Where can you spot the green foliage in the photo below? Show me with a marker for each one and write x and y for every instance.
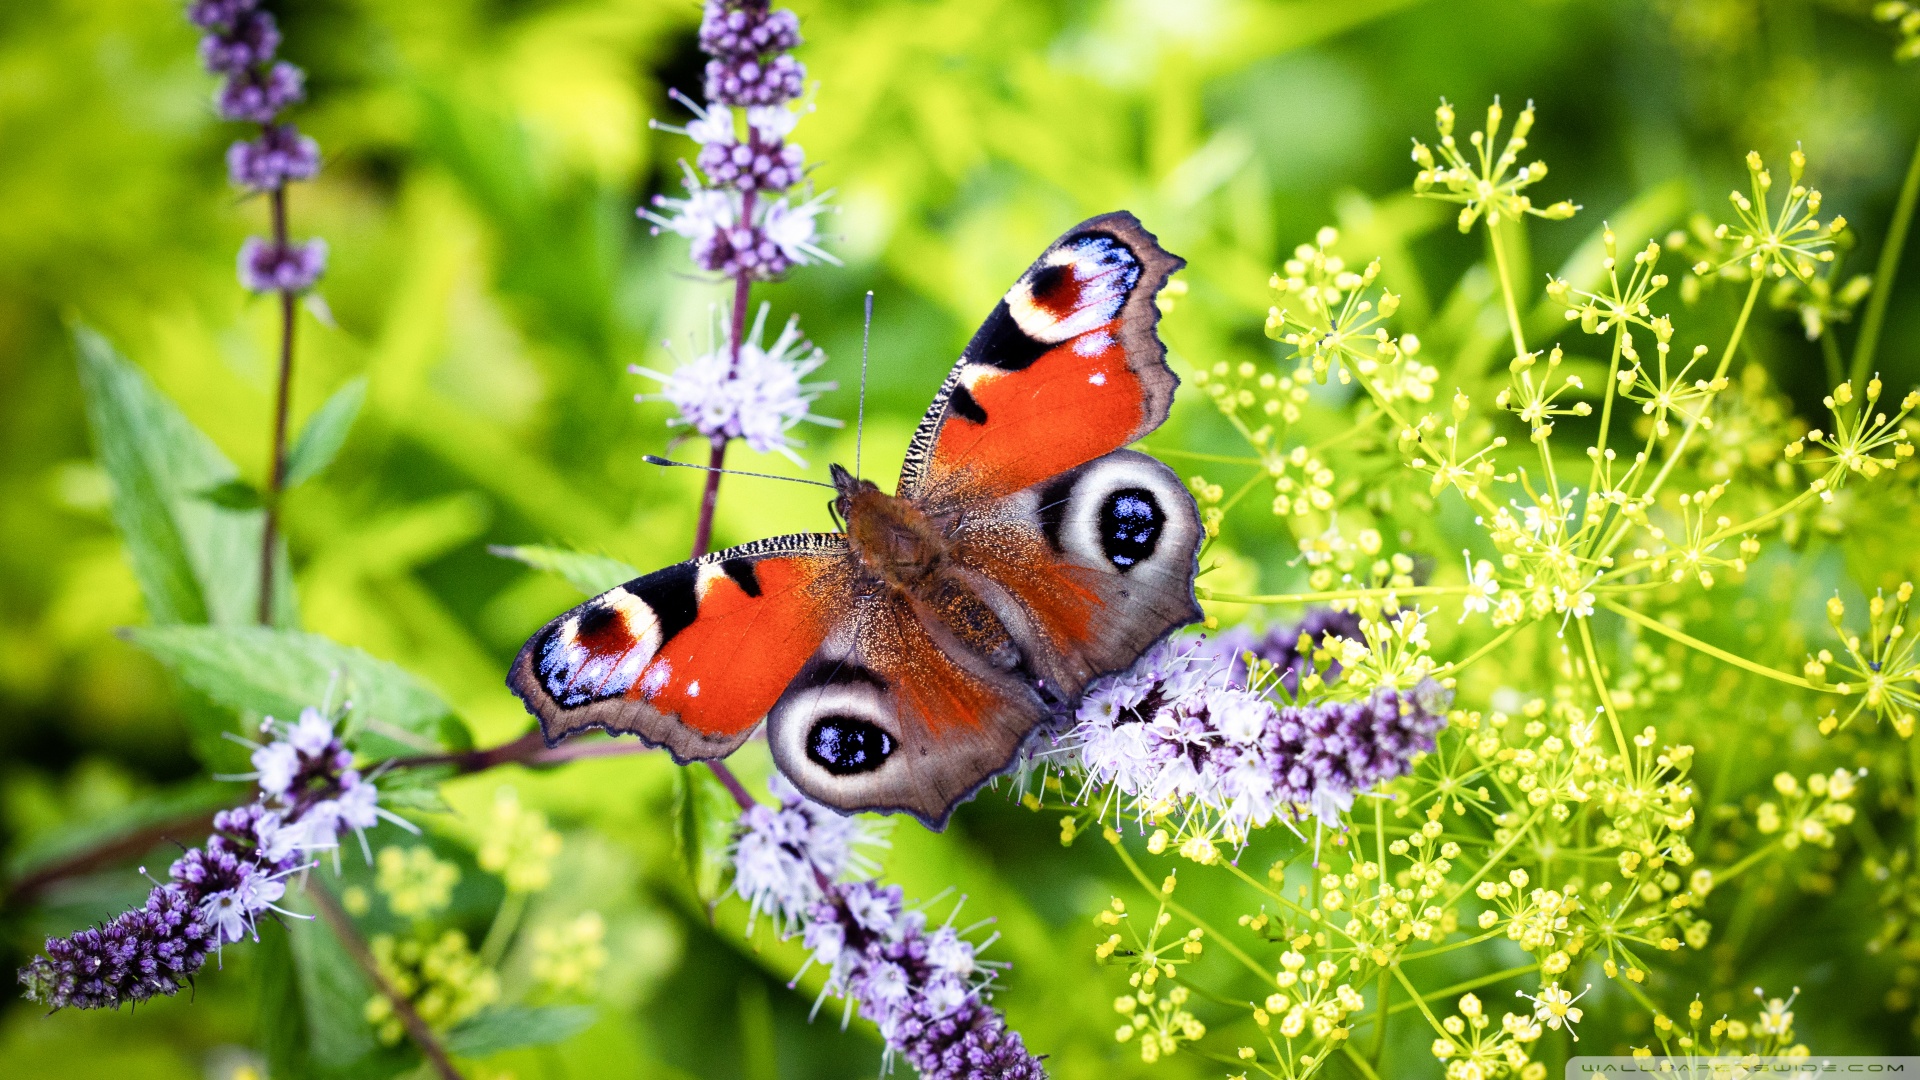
(325, 433)
(516, 1026)
(259, 671)
(489, 285)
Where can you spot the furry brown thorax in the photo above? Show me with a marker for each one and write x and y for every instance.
(899, 547)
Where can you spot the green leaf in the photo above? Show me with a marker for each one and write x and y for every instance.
(234, 494)
(281, 1021)
(703, 818)
(333, 995)
(591, 574)
(325, 433)
(516, 1025)
(188, 553)
(271, 672)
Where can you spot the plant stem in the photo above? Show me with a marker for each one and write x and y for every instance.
(717, 456)
(1883, 273)
(505, 922)
(1691, 642)
(1600, 687)
(1506, 290)
(732, 783)
(342, 926)
(269, 532)
(125, 846)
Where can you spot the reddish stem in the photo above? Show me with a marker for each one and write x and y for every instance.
(269, 533)
(717, 456)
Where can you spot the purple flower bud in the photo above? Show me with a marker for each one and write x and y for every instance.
(267, 267)
(258, 97)
(738, 81)
(279, 155)
(213, 14)
(746, 28)
(147, 952)
(248, 43)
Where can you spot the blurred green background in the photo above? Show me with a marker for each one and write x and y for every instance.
(482, 162)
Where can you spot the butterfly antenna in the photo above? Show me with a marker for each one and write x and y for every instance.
(860, 420)
(654, 460)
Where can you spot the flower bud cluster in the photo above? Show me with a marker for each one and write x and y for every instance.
(216, 893)
(924, 987)
(739, 222)
(241, 43)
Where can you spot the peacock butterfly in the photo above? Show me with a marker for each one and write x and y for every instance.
(901, 663)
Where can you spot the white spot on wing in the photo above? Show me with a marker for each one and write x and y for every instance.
(656, 678)
(1098, 378)
(693, 688)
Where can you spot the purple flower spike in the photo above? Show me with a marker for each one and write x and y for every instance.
(267, 267)
(279, 155)
(750, 82)
(148, 952)
(249, 43)
(259, 98)
(216, 14)
(744, 28)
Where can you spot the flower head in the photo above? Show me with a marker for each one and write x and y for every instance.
(269, 267)
(518, 845)
(759, 398)
(784, 855)
(1483, 184)
(280, 154)
(1180, 729)
(1554, 1007)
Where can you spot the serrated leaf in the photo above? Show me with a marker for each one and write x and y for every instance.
(591, 574)
(517, 1025)
(270, 672)
(325, 433)
(186, 552)
(234, 494)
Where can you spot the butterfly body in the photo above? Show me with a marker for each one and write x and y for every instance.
(902, 662)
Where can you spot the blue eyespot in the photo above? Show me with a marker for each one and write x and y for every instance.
(844, 745)
(1130, 524)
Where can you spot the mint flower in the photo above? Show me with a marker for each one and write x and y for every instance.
(760, 398)
(738, 221)
(1178, 729)
(309, 794)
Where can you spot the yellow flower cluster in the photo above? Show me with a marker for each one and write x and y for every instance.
(442, 979)
(518, 845)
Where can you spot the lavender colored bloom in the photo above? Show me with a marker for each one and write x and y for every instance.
(759, 164)
(216, 14)
(783, 854)
(150, 951)
(279, 155)
(1279, 645)
(258, 96)
(760, 398)
(970, 1043)
(752, 82)
(1181, 727)
(217, 892)
(746, 28)
(268, 267)
(248, 42)
(924, 989)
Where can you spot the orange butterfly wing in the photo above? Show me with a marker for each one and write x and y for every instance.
(690, 657)
(1067, 368)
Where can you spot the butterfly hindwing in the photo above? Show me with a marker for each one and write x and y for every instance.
(893, 714)
(1090, 568)
(690, 657)
(1067, 367)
